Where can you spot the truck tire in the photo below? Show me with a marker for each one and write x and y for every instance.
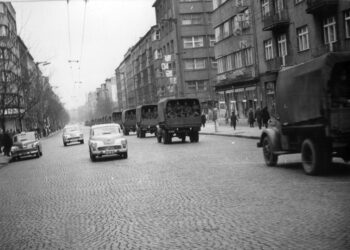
(315, 156)
(137, 133)
(195, 136)
(269, 157)
(142, 134)
(183, 137)
(159, 138)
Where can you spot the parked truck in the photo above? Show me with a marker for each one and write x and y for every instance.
(129, 121)
(178, 117)
(146, 119)
(312, 113)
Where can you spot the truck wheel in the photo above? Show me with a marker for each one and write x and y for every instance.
(142, 134)
(166, 137)
(269, 157)
(195, 136)
(159, 138)
(137, 133)
(183, 137)
(315, 156)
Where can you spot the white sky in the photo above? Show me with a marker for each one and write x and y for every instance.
(111, 27)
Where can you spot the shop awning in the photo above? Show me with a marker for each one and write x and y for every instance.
(229, 84)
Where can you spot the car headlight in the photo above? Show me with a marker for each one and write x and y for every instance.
(94, 145)
(124, 143)
(14, 148)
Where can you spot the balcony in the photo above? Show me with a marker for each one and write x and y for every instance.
(321, 7)
(276, 21)
(276, 63)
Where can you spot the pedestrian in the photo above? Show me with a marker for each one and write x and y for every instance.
(251, 118)
(234, 120)
(203, 119)
(7, 143)
(258, 117)
(265, 116)
(215, 118)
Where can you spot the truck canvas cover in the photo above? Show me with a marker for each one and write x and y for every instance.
(147, 115)
(179, 111)
(129, 117)
(301, 90)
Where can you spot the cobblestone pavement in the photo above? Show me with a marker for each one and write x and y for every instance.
(215, 194)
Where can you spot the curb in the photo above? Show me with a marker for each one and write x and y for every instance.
(240, 136)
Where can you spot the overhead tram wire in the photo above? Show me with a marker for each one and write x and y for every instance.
(69, 41)
(82, 40)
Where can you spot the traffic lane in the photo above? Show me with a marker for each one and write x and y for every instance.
(175, 195)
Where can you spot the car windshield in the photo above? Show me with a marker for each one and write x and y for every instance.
(25, 137)
(108, 130)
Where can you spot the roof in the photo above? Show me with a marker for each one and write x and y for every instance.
(104, 125)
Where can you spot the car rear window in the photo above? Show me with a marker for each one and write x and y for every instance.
(106, 130)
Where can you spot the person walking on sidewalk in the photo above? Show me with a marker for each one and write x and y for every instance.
(7, 143)
(251, 118)
(215, 118)
(265, 116)
(258, 117)
(234, 120)
(203, 119)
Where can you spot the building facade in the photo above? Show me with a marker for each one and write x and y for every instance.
(235, 53)
(291, 32)
(186, 50)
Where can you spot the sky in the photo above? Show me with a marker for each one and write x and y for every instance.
(54, 31)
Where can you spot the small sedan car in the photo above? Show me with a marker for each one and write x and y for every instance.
(72, 133)
(26, 144)
(107, 140)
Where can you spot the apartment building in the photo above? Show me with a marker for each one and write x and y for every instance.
(235, 53)
(186, 50)
(291, 32)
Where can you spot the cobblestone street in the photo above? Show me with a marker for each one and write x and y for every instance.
(215, 194)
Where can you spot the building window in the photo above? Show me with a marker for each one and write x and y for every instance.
(248, 54)
(268, 49)
(265, 8)
(193, 42)
(279, 6)
(347, 23)
(303, 38)
(236, 25)
(192, 19)
(3, 30)
(226, 29)
(2, 9)
(157, 54)
(229, 63)
(216, 4)
(212, 41)
(196, 63)
(156, 35)
(197, 85)
(214, 63)
(329, 30)
(218, 34)
(221, 65)
(282, 45)
(238, 60)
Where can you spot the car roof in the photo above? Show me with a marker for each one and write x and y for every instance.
(105, 125)
(25, 133)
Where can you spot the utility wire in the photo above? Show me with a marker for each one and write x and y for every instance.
(69, 41)
(82, 39)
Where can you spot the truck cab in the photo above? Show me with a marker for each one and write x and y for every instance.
(312, 113)
(146, 119)
(178, 117)
(117, 117)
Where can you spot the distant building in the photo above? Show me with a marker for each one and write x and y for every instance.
(235, 50)
(185, 50)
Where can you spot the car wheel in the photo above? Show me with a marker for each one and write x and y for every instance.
(92, 157)
(269, 157)
(38, 154)
(41, 153)
(315, 156)
(82, 142)
(125, 155)
(64, 143)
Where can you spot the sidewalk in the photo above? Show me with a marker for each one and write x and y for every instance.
(242, 130)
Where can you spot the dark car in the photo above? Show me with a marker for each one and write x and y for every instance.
(26, 144)
(146, 119)
(178, 117)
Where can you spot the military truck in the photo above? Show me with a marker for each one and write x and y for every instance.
(312, 113)
(178, 117)
(117, 118)
(129, 121)
(146, 119)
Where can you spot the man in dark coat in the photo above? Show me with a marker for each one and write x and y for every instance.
(234, 120)
(7, 143)
(251, 118)
(265, 116)
(258, 117)
(203, 119)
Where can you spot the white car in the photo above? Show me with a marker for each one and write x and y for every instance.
(107, 140)
(72, 133)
